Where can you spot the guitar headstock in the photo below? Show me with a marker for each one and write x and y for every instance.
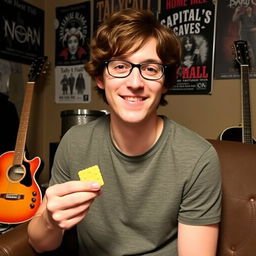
(38, 67)
(241, 52)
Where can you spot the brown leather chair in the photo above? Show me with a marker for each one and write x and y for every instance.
(238, 225)
(15, 243)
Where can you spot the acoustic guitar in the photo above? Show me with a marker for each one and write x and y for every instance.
(243, 132)
(20, 195)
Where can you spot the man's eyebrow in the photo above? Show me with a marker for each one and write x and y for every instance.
(150, 60)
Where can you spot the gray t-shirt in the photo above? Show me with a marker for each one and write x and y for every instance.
(145, 196)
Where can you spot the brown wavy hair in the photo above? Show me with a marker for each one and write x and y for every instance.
(118, 35)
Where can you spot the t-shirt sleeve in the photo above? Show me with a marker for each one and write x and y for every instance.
(201, 202)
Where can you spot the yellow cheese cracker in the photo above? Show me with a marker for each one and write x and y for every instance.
(91, 174)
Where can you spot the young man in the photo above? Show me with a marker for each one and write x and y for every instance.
(162, 182)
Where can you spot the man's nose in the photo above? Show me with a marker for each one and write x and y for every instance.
(135, 78)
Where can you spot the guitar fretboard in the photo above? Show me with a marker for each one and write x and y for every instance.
(23, 126)
(246, 111)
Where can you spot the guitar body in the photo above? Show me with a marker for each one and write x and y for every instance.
(234, 133)
(20, 195)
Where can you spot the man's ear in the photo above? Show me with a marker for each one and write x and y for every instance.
(99, 82)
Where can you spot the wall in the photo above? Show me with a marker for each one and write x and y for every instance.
(208, 115)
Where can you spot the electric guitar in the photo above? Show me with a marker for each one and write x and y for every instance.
(20, 195)
(242, 133)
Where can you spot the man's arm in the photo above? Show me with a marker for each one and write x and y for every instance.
(64, 206)
(43, 235)
(197, 240)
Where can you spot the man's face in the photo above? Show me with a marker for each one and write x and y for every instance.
(134, 99)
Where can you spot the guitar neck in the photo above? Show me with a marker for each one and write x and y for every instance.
(246, 111)
(23, 126)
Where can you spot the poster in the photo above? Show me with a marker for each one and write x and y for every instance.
(104, 8)
(72, 34)
(194, 22)
(20, 39)
(235, 20)
(72, 83)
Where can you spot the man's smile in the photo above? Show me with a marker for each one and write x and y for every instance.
(133, 98)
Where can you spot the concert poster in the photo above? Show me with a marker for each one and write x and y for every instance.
(73, 34)
(21, 40)
(102, 9)
(72, 84)
(194, 23)
(236, 20)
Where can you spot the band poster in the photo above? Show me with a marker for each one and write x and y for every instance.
(73, 32)
(21, 40)
(194, 22)
(236, 20)
(104, 8)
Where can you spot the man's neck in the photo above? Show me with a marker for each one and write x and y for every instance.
(136, 139)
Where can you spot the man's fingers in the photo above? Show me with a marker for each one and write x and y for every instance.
(70, 200)
(72, 187)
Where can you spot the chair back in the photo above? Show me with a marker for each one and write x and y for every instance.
(238, 225)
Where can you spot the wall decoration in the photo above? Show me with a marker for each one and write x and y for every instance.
(235, 20)
(72, 34)
(73, 26)
(104, 8)
(72, 84)
(194, 22)
(22, 34)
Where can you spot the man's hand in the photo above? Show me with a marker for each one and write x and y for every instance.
(68, 203)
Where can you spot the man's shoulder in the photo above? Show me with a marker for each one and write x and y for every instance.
(184, 137)
(99, 125)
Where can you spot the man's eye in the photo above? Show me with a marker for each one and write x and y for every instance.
(120, 66)
(151, 69)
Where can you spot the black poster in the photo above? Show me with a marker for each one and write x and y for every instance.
(235, 20)
(104, 8)
(194, 22)
(73, 34)
(21, 31)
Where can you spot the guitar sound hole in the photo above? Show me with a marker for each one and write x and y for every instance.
(16, 173)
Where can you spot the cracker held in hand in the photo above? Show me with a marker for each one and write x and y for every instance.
(91, 174)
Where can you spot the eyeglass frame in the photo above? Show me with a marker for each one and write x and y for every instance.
(164, 67)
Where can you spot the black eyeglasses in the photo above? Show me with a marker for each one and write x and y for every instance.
(123, 68)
